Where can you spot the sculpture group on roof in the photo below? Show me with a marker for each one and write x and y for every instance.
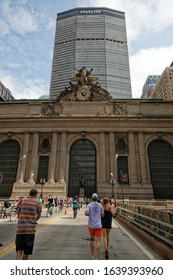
(82, 76)
(82, 81)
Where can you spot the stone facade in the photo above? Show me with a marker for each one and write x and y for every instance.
(103, 122)
(38, 138)
(164, 87)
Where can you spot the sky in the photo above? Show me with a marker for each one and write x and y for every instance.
(27, 30)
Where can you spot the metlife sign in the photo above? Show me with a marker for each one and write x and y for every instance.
(90, 12)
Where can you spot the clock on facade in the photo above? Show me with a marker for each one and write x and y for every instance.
(83, 93)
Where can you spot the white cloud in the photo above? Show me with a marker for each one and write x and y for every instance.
(4, 28)
(23, 87)
(28, 22)
(141, 16)
(146, 62)
(17, 17)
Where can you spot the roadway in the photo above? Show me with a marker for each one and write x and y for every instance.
(61, 237)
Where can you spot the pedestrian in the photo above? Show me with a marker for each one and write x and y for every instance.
(115, 206)
(7, 206)
(55, 203)
(107, 223)
(115, 203)
(29, 213)
(50, 200)
(95, 211)
(49, 206)
(75, 206)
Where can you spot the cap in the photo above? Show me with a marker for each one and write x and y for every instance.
(95, 196)
(33, 192)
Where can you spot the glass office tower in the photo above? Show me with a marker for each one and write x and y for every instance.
(95, 38)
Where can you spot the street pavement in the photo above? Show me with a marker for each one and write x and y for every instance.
(61, 237)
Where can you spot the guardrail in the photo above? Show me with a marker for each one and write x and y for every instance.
(159, 229)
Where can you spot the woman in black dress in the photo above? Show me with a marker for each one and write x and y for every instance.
(107, 223)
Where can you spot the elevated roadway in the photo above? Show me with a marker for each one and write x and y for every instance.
(61, 237)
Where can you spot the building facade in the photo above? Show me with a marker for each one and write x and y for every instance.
(149, 85)
(164, 87)
(5, 93)
(95, 38)
(121, 148)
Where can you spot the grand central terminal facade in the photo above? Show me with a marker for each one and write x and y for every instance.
(120, 148)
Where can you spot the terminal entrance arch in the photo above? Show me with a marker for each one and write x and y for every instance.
(160, 155)
(9, 157)
(82, 163)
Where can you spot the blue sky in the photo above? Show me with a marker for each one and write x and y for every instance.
(27, 29)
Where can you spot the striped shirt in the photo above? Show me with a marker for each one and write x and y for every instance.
(28, 212)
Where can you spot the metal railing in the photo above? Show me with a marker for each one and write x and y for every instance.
(159, 229)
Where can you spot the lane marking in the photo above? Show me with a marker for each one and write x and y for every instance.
(143, 249)
(12, 246)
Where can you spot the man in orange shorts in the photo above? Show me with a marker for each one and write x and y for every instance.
(95, 211)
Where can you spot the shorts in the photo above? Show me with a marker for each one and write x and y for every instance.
(95, 231)
(25, 242)
(107, 223)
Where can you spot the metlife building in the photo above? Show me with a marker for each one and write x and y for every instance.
(92, 38)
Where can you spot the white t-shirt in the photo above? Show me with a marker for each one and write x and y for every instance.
(95, 211)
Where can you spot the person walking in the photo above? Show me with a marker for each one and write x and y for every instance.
(7, 206)
(107, 223)
(29, 213)
(94, 211)
(75, 206)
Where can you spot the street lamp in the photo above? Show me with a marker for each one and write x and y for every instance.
(42, 182)
(112, 182)
(116, 176)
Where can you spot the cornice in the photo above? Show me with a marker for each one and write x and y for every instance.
(111, 125)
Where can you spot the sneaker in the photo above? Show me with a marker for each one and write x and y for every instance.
(106, 255)
(92, 258)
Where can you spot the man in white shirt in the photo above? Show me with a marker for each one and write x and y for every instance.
(95, 211)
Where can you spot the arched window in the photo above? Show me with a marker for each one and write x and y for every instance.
(9, 157)
(161, 168)
(82, 163)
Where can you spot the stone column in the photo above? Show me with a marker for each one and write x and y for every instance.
(132, 157)
(63, 151)
(23, 159)
(52, 159)
(142, 158)
(33, 160)
(102, 161)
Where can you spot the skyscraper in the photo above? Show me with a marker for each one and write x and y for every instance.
(95, 38)
(164, 87)
(149, 85)
(5, 93)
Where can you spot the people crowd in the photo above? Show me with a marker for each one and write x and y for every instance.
(99, 212)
